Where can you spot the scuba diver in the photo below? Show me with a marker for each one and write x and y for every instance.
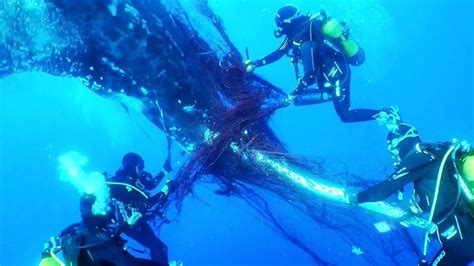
(443, 179)
(326, 49)
(96, 239)
(136, 198)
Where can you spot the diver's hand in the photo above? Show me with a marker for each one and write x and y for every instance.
(289, 99)
(462, 145)
(134, 217)
(250, 66)
(465, 146)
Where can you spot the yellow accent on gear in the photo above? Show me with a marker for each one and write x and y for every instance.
(468, 167)
(332, 28)
(351, 47)
(49, 261)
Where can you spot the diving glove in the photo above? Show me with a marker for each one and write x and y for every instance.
(250, 66)
(134, 217)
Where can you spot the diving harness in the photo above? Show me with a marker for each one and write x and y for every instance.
(56, 244)
(461, 189)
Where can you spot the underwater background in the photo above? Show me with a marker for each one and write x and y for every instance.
(419, 57)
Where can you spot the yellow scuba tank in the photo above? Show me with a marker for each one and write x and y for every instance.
(49, 261)
(466, 178)
(337, 31)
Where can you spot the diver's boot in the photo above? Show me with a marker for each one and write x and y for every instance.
(389, 117)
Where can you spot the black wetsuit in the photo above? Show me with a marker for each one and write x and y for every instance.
(96, 241)
(451, 214)
(306, 43)
(141, 231)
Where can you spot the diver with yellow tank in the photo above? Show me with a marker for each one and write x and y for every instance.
(97, 238)
(442, 190)
(325, 48)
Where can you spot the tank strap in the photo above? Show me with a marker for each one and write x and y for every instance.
(128, 186)
(459, 227)
(436, 194)
(458, 194)
(462, 188)
(312, 48)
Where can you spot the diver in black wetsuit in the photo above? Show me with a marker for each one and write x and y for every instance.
(443, 177)
(96, 239)
(326, 49)
(132, 174)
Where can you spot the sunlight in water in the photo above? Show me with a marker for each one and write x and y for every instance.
(71, 167)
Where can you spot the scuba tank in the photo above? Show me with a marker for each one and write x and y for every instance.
(338, 33)
(464, 167)
(49, 261)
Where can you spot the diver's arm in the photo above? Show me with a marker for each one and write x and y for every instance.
(162, 197)
(151, 182)
(163, 173)
(276, 55)
(395, 182)
(122, 221)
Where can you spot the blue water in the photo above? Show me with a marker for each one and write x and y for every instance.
(419, 56)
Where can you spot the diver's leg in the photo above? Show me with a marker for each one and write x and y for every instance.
(144, 234)
(342, 104)
(309, 59)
